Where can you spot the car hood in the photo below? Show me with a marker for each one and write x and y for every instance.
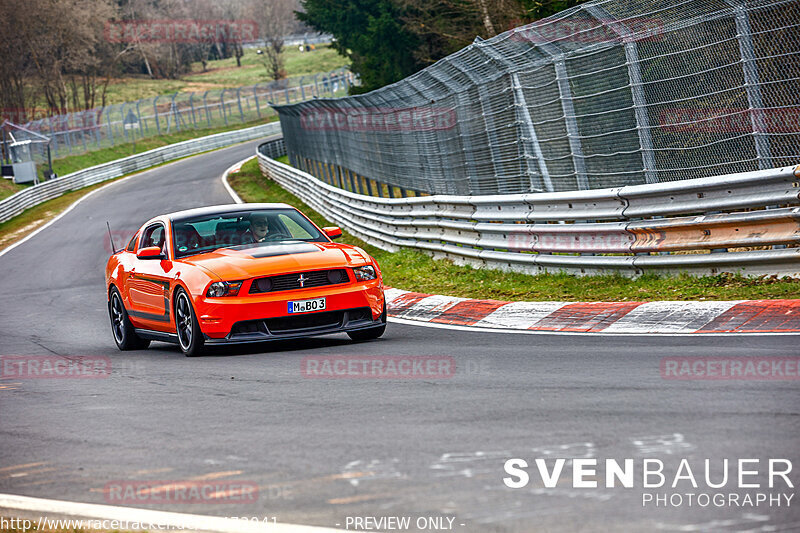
(266, 259)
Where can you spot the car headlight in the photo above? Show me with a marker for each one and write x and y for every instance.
(223, 288)
(365, 273)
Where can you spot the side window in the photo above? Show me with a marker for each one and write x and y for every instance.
(153, 236)
(132, 245)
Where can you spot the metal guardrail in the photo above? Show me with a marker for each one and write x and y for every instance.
(32, 196)
(553, 232)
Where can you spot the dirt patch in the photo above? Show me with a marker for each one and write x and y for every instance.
(200, 87)
(15, 235)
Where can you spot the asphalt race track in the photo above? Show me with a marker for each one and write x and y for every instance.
(321, 450)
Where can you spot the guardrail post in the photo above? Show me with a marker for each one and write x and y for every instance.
(302, 89)
(359, 180)
(637, 91)
(527, 122)
(751, 84)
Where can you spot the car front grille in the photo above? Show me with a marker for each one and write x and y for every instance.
(288, 282)
(311, 323)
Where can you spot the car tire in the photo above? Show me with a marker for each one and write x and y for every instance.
(190, 338)
(121, 328)
(369, 334)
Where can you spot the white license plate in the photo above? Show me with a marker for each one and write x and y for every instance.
(306, 306)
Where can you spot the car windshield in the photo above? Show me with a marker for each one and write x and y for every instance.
(241, 230)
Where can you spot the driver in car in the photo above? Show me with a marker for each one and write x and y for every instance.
(258, 230)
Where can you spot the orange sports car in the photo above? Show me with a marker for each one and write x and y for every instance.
(240, 273)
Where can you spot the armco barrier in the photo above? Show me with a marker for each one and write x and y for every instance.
(565, 231)
(27, 198)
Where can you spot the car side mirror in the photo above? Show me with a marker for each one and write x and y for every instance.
(150, 252)
(334, 232)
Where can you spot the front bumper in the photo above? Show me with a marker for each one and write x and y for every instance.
(312, 324)
(260, 317)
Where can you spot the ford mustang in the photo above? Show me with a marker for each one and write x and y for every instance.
(240, 273)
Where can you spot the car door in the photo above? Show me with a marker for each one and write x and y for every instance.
(149, 283)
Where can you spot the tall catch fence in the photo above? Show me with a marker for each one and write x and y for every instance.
(607, 94)
(82, 131)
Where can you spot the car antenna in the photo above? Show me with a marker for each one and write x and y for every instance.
(111, 238)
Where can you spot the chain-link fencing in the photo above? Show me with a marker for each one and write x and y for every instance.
(78, 132)
(607, 94)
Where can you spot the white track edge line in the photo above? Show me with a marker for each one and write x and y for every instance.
(227, 185)
(192, 522)
(479, 329)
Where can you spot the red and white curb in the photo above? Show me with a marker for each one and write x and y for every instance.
(709, 317)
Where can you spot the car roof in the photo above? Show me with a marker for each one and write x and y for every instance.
(226, 208)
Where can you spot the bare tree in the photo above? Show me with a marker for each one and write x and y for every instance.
(275, 19)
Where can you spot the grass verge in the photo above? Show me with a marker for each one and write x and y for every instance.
(413, 270)
(31, 219)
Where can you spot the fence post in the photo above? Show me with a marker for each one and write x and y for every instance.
(205, 106)
(491, 134)
(141, 120)
(155, 112)
(95, 127)
(110, 130)
(637, 90)
(191, 105)
(222, 106)
(565, 96)
(751, 84)
(174, 114)
(522, 107)
(255, 96)
(239, 101)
